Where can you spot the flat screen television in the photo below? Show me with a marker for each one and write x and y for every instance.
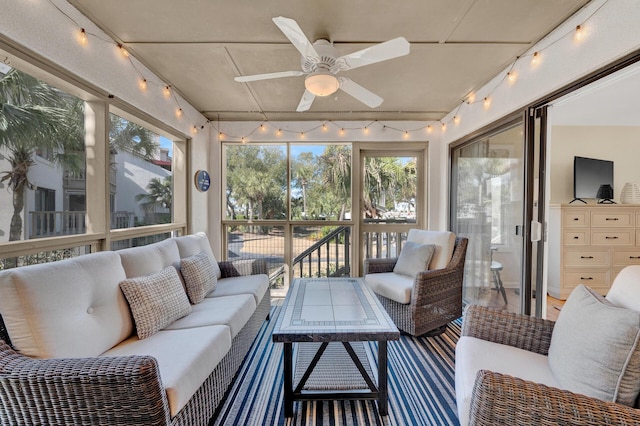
(588, 175)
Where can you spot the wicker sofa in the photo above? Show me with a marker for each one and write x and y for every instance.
(70, 353)
(426, 302)
(510, 368)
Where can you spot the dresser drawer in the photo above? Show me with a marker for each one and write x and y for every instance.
(613, 219)
(576, 238)
(589, 277)
(626, 257)
(613, 237)
(575, 219)
(587, 258)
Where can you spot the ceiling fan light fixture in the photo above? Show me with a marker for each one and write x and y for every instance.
(322, 83)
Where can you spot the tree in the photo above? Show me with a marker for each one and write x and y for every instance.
(159, 194)
(35, 116)
(335, 164)
(304, 170)
(129, 136)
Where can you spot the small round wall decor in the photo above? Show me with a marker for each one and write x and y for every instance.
(202, 180)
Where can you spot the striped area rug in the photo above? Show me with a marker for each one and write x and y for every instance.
(421, 387)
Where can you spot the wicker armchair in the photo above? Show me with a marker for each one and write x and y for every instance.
(500, 399)
(436, 297)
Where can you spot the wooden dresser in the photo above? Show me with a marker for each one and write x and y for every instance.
(590, 244)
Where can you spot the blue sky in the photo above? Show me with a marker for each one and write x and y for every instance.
(167, 143)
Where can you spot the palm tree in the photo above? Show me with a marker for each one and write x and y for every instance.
(35, 116)
(304, 169)
(159, 194)
(128, 136)
(335, 163)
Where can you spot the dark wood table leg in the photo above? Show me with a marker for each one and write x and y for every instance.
(288, 379)
(382, 378)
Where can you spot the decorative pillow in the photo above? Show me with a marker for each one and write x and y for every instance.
(155, 300)
(414, 258)
(199, 276)
(594, 348)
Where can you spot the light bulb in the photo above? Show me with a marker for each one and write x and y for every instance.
(444, 126)
(579, 34)
(365, 130)
(194, 130)
(143, 84)
(166, 91)
(178, 112)
(456, 119)
(220, 135)
(511, 76)
(279, 132)
(262, 128)
(535, 59)
(406, 134)
(486, 102)
(82, 37)
(324, 127)
(429, 128)
(472, 98)
(341, 132)
(301, 135)
(243, 140)
(124, 52)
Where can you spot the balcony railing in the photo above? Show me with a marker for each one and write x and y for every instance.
(57, 223)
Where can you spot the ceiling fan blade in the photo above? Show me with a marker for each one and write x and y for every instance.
(256, 77)
(294, 33)
(377, 53)
(306, 101)
(352, 88)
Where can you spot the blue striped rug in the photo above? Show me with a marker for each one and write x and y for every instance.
(421, 387)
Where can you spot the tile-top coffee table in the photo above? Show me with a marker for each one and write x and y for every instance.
(343, 311)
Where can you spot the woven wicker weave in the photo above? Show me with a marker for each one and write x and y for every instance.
(436, 298)
(115, 390)
(500, 399)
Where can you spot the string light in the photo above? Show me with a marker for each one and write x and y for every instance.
(143, 84)
(342, 132)
(324, 127)
(365, 130)
(406, 134)
(579, 33)
(535, 59)
(444, 126)
(456, 119)
(124, 52)
(486, 102)
(301, 135)
(179, 112)
(279, 132)
(166, 91)
(243, 140)
(220, 135)
(82, 37)
(512, 76)
(194, 130)
(262, 128)
(429, 129)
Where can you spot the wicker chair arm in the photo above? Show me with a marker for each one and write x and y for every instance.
(376, 266)
(109, 390)
(500, 399)
(242, 267)
(520, 331)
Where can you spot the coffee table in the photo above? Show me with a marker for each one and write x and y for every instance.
(340, 314)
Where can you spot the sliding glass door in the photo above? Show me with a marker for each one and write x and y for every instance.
(488, 208)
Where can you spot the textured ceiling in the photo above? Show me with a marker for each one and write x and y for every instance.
(199, 46)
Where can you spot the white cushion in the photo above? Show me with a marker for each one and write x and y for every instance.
(625, 290)
(185, 358)
(594, 348)
(233, 311)
(149, 259)
(393, 286)
(414, 258)
(190, 245)
(443, 240)
(199, 276)
(473, 355)
(256, 285)
(69, 308)
(156, 300)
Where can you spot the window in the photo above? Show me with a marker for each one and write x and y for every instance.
(42, 122)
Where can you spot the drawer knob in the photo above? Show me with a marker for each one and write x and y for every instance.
(576, 237)
(586, 278)
(612, 218)
(611, 238)
(575, 218)
(586, 257)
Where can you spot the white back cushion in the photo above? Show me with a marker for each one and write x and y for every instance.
(443, 240)
(193, 244)
(625, 290)
(70, 308)
(145, 260)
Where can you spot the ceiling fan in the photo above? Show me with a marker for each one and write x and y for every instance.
(320, 64)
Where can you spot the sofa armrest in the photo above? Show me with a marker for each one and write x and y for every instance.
(520, 331)
(375, 266)
(500, 399)
(109, 390)
(242, 267)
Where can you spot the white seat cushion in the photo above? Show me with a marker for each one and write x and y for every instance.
(233, 311)
(185, 358)
(443, 240)
(473, 355)
(256, 285)
(393, 286)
